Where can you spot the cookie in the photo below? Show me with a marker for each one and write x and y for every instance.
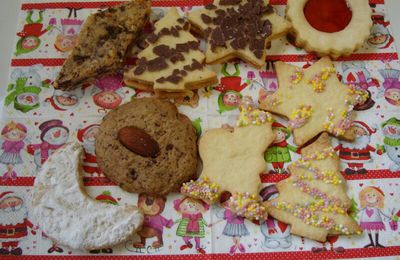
(157, 157)
(232, 162)
(314, 100)
(103, 43)
(335, 28)
(238, 29)
(66, 213)
(313, 199)
(172, 63)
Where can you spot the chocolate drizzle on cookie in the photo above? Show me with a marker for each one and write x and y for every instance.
(239, 27)
(165, 53)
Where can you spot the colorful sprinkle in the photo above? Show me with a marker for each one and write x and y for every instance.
(299, 116)
(251, 115)
(332, 205)
(247, 205)
(319, 79)
(307, 213)
(274, 102)
(297, 76)
(202, 189)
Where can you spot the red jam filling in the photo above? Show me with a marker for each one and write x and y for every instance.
(327, 15)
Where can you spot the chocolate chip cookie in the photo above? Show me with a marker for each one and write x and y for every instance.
(147, 146)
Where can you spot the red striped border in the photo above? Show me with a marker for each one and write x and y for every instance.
(159, 3)
(54, 62)
(265, 178)
(348, 253)
(372, 174)
(96, 5)
(354, 56)
(48, 62)
(20, 181)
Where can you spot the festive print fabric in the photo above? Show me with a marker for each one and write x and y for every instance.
(37, 119)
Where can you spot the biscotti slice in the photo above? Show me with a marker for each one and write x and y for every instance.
(103, 43)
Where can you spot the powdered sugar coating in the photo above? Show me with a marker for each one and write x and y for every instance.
(68, 215)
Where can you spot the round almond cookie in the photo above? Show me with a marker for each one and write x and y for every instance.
(147, 146)
(329, 27)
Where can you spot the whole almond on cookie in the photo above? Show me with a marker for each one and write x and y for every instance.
(138, 141)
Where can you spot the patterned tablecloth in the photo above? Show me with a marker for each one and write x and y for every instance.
(37, 119)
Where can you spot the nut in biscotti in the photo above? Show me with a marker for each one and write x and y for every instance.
(138, 141)
(103, 43)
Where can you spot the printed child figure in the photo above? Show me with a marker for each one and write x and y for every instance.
(31, 33)
(154, 222)
(108, 93)
(230, 87)
(13, 135)
(67, 38)
(279, 152)
(372, 203)
(192, 223)
(234, 227)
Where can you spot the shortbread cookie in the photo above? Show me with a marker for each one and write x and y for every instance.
(335, 27)
(313, 199)
(172, 63)
(314, 100)
(64, 211)
(146, 146)
(103, 43)
(238, 29)
(232, 162)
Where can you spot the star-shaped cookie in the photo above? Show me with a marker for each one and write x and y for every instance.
(238, 29)
(314, 100)
(313, 199)
(172, 63)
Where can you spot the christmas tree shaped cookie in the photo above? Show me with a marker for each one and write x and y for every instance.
(314, 100)
(172, 64)
(238, 29)
(232, 162)
(313, 199)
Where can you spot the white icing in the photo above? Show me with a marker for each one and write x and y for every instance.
(68, 215)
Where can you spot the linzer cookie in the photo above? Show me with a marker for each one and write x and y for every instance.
(238, 29)
(146, 146)
(172, 64)
(103, 43)
(313, 199)
(240, 161)
(330, 27)
(314, 100)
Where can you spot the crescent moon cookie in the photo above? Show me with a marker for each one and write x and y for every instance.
(329, 27)
(238, 29)
(313, 199)
(314, 100)
(172, 63)
(232, 162)
(68, 215)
